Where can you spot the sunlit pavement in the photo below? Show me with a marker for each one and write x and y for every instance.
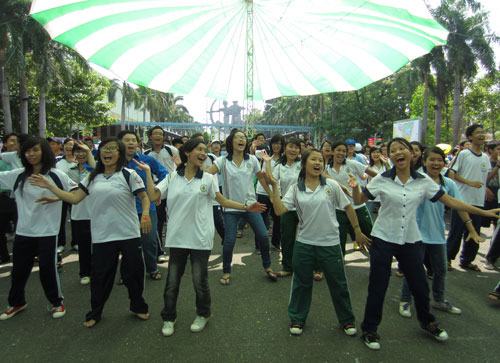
(249, 320)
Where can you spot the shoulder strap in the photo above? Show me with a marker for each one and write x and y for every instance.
(211, 157)
(168, 150)
(126, 175)
(55, 178)
(18, 180)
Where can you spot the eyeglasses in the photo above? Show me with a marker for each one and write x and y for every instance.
(110, 148)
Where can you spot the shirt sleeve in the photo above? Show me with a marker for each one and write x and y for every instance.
(453, 189)
(163, 186)
(433, 191)
(8, 178)
(457, 165)
(135, 182)
(10, 157)
(84, 184)
(339, 198)
(67, 182)
(213, 188)
(289, 198)
(372, 190)
(157, 169)
(219, 162)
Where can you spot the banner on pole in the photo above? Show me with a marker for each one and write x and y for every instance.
(407, 129)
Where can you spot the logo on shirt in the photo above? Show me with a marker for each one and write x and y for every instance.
(203, 188)
(484, 168)
(328, 191)
(249, 166)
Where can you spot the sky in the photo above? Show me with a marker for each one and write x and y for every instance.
(198, 107)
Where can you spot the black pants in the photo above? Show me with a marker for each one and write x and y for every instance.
(276, 237)
(83, 238)
(104, 265)
(494, 251)
(161, 213)
(410, 258)
(8, 215)
(199, 270)
(23, 254)
(219, 220)
(457, 231)
(61, 238)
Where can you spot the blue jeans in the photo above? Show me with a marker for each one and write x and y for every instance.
(437, 256)
(150, 244)
(255, 220)
(199, 273)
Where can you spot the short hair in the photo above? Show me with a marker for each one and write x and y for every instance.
(470, 130)
(122, 134)
(6, 137)
(150, 131)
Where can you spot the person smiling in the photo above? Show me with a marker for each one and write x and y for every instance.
(190, 193)
(37, 226)
(111, 189)
(396, 233)
(315, 198)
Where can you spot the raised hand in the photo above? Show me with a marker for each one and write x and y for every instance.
(142, 166)
(40, 181)
(82, 146)
(256, 207)
(265, 156)
(353, 182)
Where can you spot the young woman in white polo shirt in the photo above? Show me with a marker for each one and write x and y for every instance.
(316, 198)
(286, 173)
(396, 233)
(339, 169)
(115, 227)
(37, 226)
(238, 169)
(190, 193)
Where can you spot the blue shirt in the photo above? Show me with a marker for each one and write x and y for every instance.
(156, 169)
(430, 216)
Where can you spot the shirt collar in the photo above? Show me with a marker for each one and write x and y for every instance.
(182, 171)
(245, 156)
(301, 183)
(391, 173)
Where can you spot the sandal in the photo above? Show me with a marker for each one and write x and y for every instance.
(155, 275)
(271, 275)
(225, 279)
(471, 267)
(283, 273)
(318, 276)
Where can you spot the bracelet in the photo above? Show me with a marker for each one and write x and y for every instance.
(468, 221)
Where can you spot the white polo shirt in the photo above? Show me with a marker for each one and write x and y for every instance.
(286, 175)
(397, 216)
(12, 157)
(113, 216)
(260, 189)
(237, 182)
(473, 167)
(316, 211)
(36, 219)
(64, 165)
(190, 222)
(80, 211)
(351, 166)
(164, 157)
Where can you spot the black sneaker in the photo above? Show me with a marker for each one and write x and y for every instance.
(438, 333)
(371, 340)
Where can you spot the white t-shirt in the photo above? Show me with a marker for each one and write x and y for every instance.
(36, 219)
(351, 166)
(80, 211)
(64, 165)
(190, 222)
(260, 189)
(164, 157)
(397, 216)
(12, 157)
(286, 175)
(113, 215)
(474, 167)
(237, 181)
(316, 211)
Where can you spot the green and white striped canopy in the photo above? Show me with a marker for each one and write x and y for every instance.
(200, 47)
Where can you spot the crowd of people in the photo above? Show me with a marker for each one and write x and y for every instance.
(391, 199)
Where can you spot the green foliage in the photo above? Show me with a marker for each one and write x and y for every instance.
(482, 102)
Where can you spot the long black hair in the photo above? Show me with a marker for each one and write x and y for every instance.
(229, 143)
(293, 141)
(122, 158)
(303, 162)
(372, 150)
(278, 139)
(48, 160)
(334, 146)
(189, 146)
(418, 163)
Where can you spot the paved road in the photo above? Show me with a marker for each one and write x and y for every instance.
(249, 321)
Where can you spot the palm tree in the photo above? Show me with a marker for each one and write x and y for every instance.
(423, 64)
(128, 95)
(468, 44)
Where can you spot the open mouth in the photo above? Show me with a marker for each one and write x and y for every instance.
(202, 158)
(107, 158)
(317, 168)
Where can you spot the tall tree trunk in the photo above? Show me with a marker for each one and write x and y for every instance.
(23, 103)
(122, 115)
(456, 118)
(7, 116)
(42, 114)
(332, 96)
(425, 111)
(439, 121)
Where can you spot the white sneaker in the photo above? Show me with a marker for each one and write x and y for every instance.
(199, 324)
(404, 309)
(447, 306)
(58, 311)
(60, 249)
(85, 280)
(488, 266)
(168, 328)
(296, 329)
